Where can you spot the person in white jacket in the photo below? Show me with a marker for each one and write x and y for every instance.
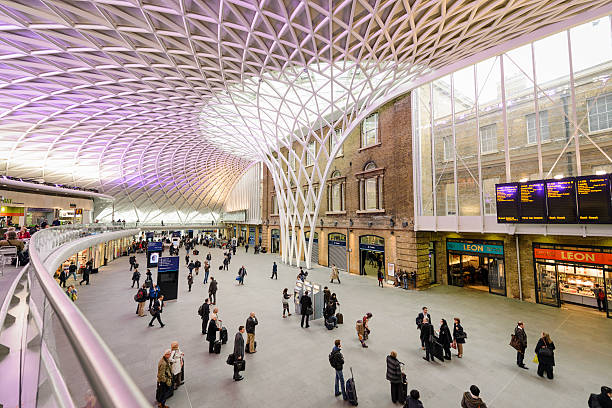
(177, 362)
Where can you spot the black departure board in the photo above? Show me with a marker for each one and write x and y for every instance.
(593, 195)
(532, 203)
(507, 198)
(561, 201)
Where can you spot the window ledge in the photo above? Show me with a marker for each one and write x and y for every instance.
(489, 152)
(274, 215)
(542, 142)
(370, 211)
(598, 132)
(335, 213)
(369, 147)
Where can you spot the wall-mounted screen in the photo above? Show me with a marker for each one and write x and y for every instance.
(593, 195)
(532, 203)
(507, 197)
(561, 201)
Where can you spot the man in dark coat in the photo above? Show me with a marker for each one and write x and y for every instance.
(336, 360)
(238, 352)
(419, 321)
(603, 400)
(427, 333)
(274, 270)
(212, 291)
(211, 334)
(250, 329)
(471, 399)
(132, 261)
(305, 306)
(205, 313)
(519, 333)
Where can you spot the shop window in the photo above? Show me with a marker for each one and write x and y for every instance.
(310, 153)
(371, 188)
(531, 127)
(600, 112)
(334, 140)
(488, 139)
(369, 131)
(336, 193)
(451, 203)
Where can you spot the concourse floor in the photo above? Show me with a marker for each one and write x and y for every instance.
(291, 367)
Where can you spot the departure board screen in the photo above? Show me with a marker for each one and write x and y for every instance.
(507, 199)
(532, 203)
(561, 201)
(593, 195)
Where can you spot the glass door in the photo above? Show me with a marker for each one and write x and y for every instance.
(547, 286)
(497, 276)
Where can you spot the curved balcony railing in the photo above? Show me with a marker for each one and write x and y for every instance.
(60, 359)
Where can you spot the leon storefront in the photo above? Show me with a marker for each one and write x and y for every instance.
(573, 274)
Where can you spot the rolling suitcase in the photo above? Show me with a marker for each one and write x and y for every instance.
(403, 389)
(438, 351)
(217, 347)
(340, 318)
(223, 335)
(246, 347)
(351, 392)
(329, 325)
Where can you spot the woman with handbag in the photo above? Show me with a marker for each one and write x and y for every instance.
(459, 337)
(546, 356)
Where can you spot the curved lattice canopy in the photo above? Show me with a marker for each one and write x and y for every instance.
(164, 103)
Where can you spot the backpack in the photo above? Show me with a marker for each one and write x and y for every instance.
(140, 295)
(332, 359)
(594, 401)
(201, 310)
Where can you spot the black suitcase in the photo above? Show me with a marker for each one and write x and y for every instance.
(340, 318)
(221, 267)
(329, 325)
(351, 391)
(246, 347)
(438, 351)
(217, 347)
(403, 389)
(223, 335)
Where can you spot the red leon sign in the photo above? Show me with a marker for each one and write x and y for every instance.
(574, 256)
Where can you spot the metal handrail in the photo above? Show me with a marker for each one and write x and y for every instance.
(110, 382)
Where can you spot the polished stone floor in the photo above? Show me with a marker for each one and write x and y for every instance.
(291, 368)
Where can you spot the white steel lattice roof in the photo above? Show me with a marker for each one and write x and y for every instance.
(164, 103)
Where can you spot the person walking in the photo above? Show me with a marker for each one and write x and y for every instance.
(72, 271)
(602, 400)
(334, 274)
(459, 336)
(206, 271)
(394, 376)
(521, 338)
(274, 270)
(153, 294)
(381, 278)
(250, 329)
(190, 280)
(212, 291)
(191, 266)
(241, 274)
(187, 258)
(156, 310)
(164, 380)
(225, 263)
(177, 361)
(238, 353)
(336, 360)
(361, 333)
(149, 279)
(419, 321)
(545, 350)
(286, 297)
(141, 298)
(86, 272)
(197, 265)
(211, 333)
(445, 338)
(413, 400)
(62, 278)
(204, 312)
(132, 261)
(136, 278)
(427, 334)
(471, 398)
(305, 308)
(366, 325)
(208, 257)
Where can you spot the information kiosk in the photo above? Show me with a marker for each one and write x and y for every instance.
(315, 291)
(168, 277)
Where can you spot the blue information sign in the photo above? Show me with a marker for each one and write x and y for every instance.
(475, 247)
(337, 243)
(176, 234)
(370, 247)
(154, 246)
(168, 264)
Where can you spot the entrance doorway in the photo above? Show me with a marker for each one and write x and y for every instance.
(371, 255)
(314, 254)
(275, 241)
(336, 250)
(432, 262)
(477, 264)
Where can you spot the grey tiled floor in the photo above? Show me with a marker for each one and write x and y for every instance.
(291, 367)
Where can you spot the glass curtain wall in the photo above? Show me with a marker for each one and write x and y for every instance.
(542, 110)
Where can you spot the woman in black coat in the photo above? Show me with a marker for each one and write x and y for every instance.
(546, 356)
(445, 339)
(394, 376)
(211, 334)
(458, 336)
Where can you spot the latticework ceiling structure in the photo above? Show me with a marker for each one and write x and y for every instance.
(164, 103)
